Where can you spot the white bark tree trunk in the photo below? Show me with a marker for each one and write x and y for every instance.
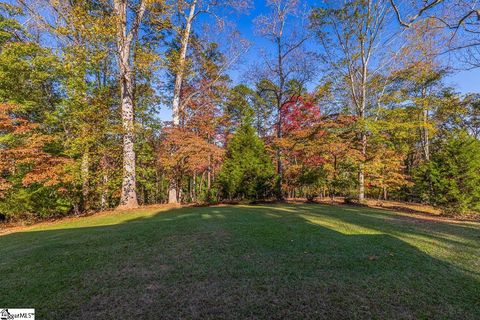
(177, 109)
(280, 94)
(129, 195)
(361, 171)
(104, 197)
(85, 166)
(426, 138)
(425, 134)
(176, 105)
(363, 147)
(125, 39)
(365, 58)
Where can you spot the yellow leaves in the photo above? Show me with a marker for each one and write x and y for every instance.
(82, 23)
(146, 61)
(283, 143)
(150, 3)
(386, 169)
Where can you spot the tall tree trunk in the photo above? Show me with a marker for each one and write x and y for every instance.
(363, 133)
(177, 110)
(279, 193)
(202, 182)
(361, 169)
(194, 194)
(128, 198)
(104, 197)
(425, 134)
(209, 174)
(85, 179)
(176, 105)
(172, 192)
(426, 138)
(103, 169)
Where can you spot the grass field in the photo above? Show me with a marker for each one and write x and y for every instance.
(292, 261)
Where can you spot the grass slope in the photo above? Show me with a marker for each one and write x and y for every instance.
(271, 261)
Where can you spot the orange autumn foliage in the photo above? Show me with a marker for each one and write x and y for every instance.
(185, 152)
(22, 146)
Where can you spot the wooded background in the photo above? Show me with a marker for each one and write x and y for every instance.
(342, 98)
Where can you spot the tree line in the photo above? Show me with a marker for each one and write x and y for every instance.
(342, 99)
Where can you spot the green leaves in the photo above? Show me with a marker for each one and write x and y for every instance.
(247, 172)
(451, 180)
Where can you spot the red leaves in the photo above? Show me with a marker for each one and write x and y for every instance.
(301, 117)
(300, 113)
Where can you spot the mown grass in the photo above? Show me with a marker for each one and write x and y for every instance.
(269, 261)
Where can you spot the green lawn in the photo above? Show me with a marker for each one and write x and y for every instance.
(269, 261)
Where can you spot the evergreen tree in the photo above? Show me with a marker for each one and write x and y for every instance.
(451, 180)
(247, 172)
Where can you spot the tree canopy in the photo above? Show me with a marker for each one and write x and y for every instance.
(120, 103)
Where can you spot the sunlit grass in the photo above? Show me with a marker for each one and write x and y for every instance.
(269, 261)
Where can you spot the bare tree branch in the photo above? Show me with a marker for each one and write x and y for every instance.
(421, 11)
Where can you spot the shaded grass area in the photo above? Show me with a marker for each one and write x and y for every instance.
(271, 261)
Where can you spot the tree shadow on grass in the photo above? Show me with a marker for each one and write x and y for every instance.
(434, 234)
(236, 262)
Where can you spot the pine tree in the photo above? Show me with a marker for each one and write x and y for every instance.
(451, 180)
(247, 172)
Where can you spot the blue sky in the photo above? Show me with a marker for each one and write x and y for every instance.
(465, 81)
